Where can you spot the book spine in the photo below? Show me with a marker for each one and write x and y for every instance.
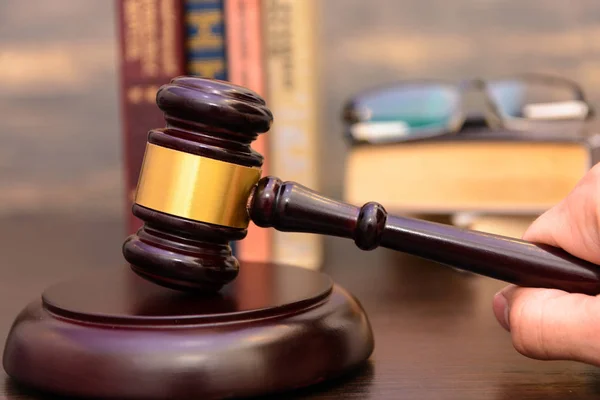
(151, 54)
(245, 67)
(206, 53)
(290, 31)
(205, 44)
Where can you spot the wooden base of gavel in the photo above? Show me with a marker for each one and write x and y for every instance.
(186, 320)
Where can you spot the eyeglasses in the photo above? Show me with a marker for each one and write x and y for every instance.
(429, 108)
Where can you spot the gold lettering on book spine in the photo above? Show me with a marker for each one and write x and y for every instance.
(150, 38)
(131, 22)
(168, 36)
(140, 19)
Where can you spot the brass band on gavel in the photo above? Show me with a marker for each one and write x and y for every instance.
(195, 187)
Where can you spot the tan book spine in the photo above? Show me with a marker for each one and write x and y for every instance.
(290, 32)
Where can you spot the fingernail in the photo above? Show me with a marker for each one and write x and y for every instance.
(502, 310)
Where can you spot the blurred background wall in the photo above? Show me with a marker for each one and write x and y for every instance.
(60, 125)
(59, 107)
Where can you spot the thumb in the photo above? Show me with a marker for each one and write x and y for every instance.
(549, 324)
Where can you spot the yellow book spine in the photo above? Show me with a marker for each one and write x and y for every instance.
(290, 32)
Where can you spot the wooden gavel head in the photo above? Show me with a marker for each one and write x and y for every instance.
(194, 184)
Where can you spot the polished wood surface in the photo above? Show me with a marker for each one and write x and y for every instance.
(435, 333)
(291, 207)
(114, 335)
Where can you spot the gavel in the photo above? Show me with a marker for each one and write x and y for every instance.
(200, 185)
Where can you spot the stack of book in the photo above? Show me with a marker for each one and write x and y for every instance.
(496, 181)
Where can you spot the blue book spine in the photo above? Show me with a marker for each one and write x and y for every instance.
(205, 38)
(205, 43)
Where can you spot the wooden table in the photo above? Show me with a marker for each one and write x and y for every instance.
(435, 334)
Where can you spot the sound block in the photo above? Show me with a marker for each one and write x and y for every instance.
(112, 334)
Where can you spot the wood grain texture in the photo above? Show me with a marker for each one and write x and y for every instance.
(435, 333)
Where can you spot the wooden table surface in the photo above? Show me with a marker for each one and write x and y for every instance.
(435, 334)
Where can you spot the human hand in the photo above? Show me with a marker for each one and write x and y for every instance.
(549, 324)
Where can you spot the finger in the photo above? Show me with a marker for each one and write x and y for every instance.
(549, 324)
(574, 223)
(543, 229)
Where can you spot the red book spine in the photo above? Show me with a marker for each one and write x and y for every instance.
(152, 52)
(246, 68)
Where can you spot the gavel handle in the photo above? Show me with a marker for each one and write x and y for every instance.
(291, 207)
